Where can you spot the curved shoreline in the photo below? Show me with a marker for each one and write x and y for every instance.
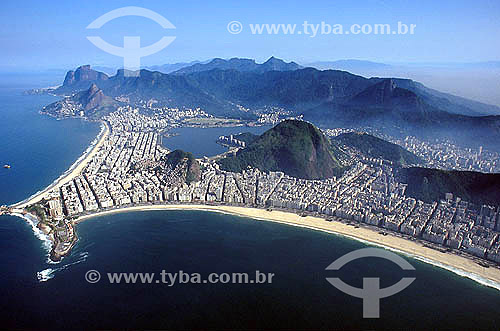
(459, 265)
(75, 169)
(462, 265)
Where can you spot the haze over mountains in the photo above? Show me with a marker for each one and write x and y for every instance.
(331, 98)
(171, 67)
(301, 150)
(328, 98)
(479, 81)
(243, 65)
(374, 147)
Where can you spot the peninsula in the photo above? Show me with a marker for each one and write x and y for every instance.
(359, 177)
(129, 170)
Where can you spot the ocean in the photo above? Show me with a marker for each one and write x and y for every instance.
(38, 148)
(38, 294)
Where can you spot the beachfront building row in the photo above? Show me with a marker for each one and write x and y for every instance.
(129, 169)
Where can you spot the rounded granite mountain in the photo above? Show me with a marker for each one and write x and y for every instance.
(297, 148)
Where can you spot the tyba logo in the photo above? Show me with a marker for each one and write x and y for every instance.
(371, 293)
(131, 50)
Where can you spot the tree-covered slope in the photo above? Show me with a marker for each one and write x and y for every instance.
(247, 137)
(296, 148)
(193, 172)
(371, 146)
(431, 185)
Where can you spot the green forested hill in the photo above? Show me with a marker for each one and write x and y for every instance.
(372, 146)
(297, 148)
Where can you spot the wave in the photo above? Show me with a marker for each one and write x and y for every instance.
(44, 238)
(45, 275)
(472, 276)
(462, 273)
(33, 222)
(50, 273)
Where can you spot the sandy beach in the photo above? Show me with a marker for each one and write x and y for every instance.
(458, 264)
(77, 169)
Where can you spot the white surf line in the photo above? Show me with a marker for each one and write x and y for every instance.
(473, 276)
(68, 172)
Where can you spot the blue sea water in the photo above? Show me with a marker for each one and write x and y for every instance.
(37, 294)
(203, 141)
(206, 242)
(38, 148)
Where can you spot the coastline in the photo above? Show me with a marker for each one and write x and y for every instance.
(460, 265)
(43, 235)
(72, 172)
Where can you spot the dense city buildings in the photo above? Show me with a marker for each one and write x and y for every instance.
(129, 168)
(439, 153)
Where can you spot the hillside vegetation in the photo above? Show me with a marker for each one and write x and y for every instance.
(431, 184)
(296, 148)
(371, 146)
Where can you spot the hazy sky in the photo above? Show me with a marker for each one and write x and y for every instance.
(42, 34)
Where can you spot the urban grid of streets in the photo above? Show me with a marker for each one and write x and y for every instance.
(128, 170)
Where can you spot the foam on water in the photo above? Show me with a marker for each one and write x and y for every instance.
(45, 275)
(49, 273)
(33, 222)
(472, 276)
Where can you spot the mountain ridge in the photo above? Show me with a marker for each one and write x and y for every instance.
(325, 98)
(240, 64)
(374, 147)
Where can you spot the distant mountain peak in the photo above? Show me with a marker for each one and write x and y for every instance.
(384, 92)
(217, 60)
(83, 73)
(274, 59)
(280, 65)
(242, 65)
(88, 102)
